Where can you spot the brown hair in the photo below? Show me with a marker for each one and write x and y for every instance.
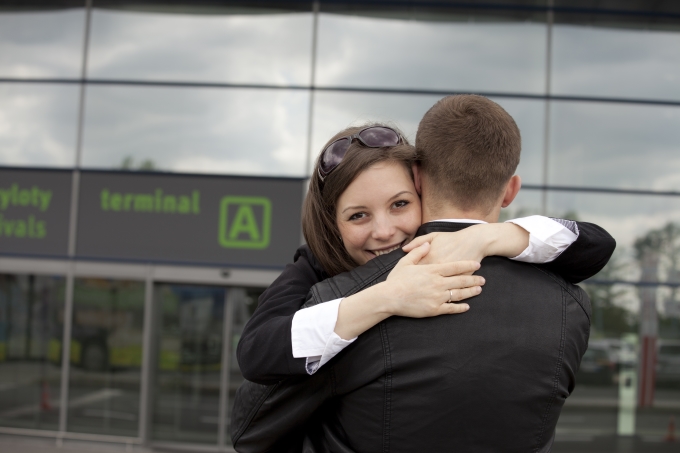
(468, 148)
(319, 222)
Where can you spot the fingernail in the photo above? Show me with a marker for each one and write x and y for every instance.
(483, 280)
(478, 289)
(466, 307)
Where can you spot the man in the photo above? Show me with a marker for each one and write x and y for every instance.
(494, 379)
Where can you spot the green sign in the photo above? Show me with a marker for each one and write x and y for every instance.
(34, 211)
(241, 230)
(219, 220)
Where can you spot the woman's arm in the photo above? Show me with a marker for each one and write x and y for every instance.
(574, 250)
(277, 342)
(411, 291)
(264, 350)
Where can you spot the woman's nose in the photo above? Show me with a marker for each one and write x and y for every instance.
(382, 229)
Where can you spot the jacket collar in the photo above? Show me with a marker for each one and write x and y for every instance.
(438, 225)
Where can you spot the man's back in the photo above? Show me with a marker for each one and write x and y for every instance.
(493, 379)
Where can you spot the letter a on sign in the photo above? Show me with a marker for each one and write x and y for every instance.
(239, 226)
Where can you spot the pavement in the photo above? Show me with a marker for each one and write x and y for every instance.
(25, 444)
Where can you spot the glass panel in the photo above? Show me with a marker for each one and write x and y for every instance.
(41, 44)
(611, 62)
(31, 327)
(220, 46)
(334, 111)
(527, 202)
(615, 145)
(233, 131)
(38, 124)
(650, 9)
(188, 364)
(244, 302)
(440, 51)
(631, 219)
(106, 356)
(608, 400)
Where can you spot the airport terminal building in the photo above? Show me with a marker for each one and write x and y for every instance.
(154, 157)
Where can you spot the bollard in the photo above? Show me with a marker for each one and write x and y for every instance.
(670, 435)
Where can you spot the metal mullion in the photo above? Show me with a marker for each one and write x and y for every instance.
(229, 302)
(66, 351)
(147, 358)
(548, 88)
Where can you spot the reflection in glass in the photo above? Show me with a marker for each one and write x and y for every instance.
(527, 202)
(38, 124)
(607, 400)
(236, 48)
(31, 322)
(186, 385)
(431, 54)
(630, 219)
(615, 62)
(106, 356)
(202, 130)
(333, 111)
(42, 44)
(615, 145)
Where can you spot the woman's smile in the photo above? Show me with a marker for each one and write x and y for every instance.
(378, 212)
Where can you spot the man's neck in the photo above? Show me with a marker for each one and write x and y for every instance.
(450, 212)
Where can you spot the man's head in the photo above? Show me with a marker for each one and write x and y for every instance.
(468, 148)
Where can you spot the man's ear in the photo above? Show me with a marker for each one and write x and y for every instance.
(415, 168)
(511, 190)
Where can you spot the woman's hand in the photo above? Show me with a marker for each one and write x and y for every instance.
(473, 243)
(419, 291)
(412, 290)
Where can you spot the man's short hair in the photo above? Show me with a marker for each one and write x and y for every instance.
(468, 148)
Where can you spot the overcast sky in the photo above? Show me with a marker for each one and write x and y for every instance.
(246, 131)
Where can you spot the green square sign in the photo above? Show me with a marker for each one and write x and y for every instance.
(242, 230)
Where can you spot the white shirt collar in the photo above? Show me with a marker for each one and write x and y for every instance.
(459, 221)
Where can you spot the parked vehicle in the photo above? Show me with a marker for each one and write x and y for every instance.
(668, 363)
(597, 367)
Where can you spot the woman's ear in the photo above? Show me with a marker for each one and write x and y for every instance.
(415, 168)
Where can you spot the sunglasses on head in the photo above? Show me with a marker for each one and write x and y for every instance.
(372, 137)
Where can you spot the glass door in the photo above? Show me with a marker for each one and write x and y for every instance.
(188, 356)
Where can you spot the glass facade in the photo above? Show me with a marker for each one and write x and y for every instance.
(31, 325)
(257, 88)
(106, 356)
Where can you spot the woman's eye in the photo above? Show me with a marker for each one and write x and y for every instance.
(400, 203)
(357, 216)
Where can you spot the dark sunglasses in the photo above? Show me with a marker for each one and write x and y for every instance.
(372, 137)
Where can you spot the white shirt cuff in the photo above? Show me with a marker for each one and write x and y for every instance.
(547, 239)
(313, 334)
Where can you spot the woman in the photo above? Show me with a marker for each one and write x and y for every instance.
(345, 227)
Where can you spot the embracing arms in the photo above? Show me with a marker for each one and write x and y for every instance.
(265, 350)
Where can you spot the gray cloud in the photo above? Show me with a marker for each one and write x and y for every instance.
(615, 145)
(615, 62)
(274, 49)
(238, 131)
(41, 44)
(370, 52)
(38, 124)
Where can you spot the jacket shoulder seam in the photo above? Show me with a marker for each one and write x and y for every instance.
(556, 376)
(387, 405)
(565, 288)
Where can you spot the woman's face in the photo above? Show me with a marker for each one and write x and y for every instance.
(378, 212)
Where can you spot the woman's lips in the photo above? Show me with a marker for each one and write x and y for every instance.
(389, 249)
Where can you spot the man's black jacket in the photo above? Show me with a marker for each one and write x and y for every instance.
(492, 379)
